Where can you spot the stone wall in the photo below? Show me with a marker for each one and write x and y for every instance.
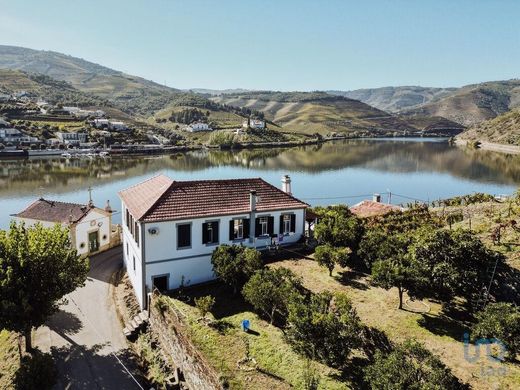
(167, 325)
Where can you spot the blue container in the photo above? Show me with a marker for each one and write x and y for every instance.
(245, 325)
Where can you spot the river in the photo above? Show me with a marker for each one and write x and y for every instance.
(334, 172)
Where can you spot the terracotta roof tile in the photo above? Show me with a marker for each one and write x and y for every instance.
(141, 197)
(369, 208)
(53, 211)
(203, 198)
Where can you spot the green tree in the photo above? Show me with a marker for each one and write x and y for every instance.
(452, 263)
(234, 264)
(204, 304)
(410, 366)
(269, 291)
(500, 321)
(328, 256)
(38, 268)
(324, 326)
(393, 267)
(339, 227)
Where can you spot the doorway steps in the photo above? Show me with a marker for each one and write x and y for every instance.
(136, 325)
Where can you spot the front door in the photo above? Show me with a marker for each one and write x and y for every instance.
(93, 241)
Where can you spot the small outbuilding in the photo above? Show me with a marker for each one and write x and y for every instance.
(90, 226)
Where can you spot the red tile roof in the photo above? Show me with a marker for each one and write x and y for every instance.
(156, 200)
(52, 211)
(369, 208)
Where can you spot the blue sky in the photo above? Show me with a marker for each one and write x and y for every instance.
(279, 44)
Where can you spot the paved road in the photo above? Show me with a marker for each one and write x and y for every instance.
(86, 334)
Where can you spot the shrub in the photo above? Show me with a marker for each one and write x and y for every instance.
(410, 366)
(222, 138)
(204, 304)
(500, 321)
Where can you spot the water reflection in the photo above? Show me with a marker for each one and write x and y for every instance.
(59, 175)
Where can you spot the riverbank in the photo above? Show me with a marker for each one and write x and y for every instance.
(143, 150)
(501, 148)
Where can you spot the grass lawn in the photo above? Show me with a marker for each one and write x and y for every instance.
(9, 359)
(277, 365)
(439, 333)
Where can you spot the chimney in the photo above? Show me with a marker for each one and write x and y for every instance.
(286, 184)
(376, 198)
(252, 200)
(108, 209)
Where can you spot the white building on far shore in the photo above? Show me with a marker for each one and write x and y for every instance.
(198, 126)
(170, 228)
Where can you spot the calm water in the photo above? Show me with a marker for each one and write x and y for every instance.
(339, 172)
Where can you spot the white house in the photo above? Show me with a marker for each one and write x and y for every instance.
(199, 126)
(71, 138)
(170, 228)
(15, 136)
(90, 227)
(254, 124)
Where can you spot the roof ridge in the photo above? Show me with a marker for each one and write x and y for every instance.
(57, 201)
(158, 199)
(147, 180)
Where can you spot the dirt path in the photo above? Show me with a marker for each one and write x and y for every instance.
(85, 337)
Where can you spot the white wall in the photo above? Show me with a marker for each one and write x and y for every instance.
(194, 263)
(130, 251)
(93, 221)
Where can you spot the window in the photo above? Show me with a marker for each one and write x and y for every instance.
(134, 262)
(210, 232)
(127, 248)
(136, 236)
(238, 229)
(287, 223)
(263, 226)
(184, 236)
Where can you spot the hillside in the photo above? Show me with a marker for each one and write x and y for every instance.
(131, 93)
(311, 112)
(473, 104)
(395, 99)
(47, 88)
(504, 129)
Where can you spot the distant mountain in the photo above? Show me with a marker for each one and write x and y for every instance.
(310, 112)
(214, 92)
(504, 129)
(395, 99)
(475, 103)
(132, 93)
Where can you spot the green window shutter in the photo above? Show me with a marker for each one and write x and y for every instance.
(231, 230)
(270, 225)
(247, 229)
(280, 231)
(205, 233)
(258, 227)
(215, 231)
(293, 223)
